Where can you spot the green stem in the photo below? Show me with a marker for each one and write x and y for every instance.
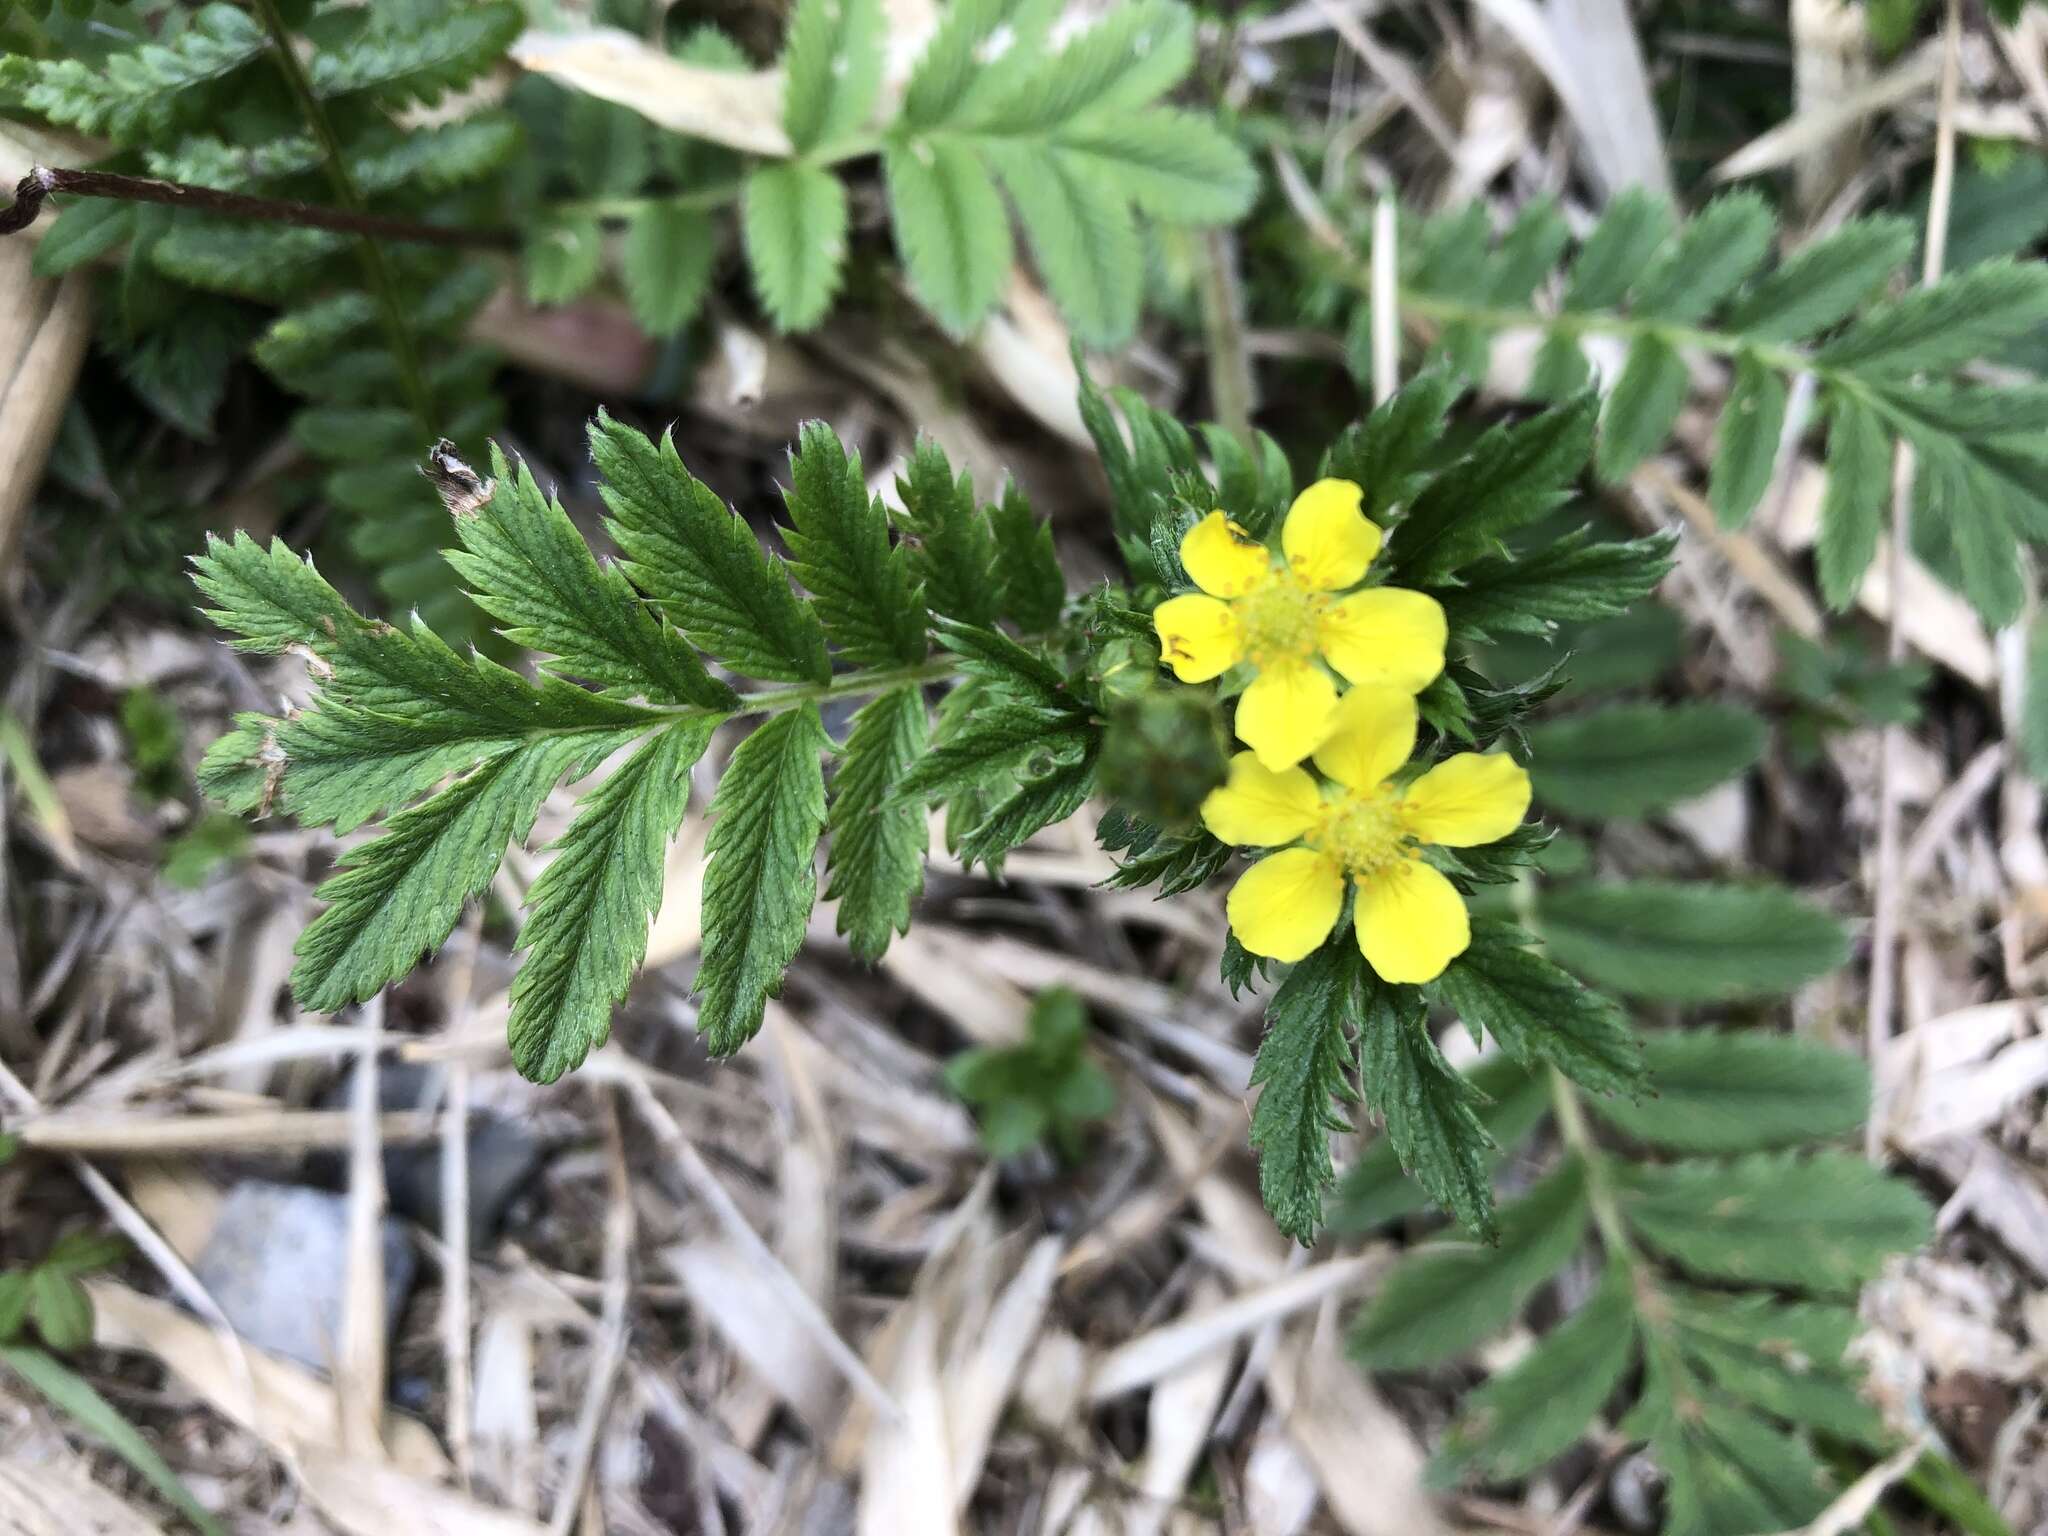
(698, 200)
(376, 271)
(1787, 359)
(1600, 1191)
(1232, 389)
(849, 685)
(704, 199)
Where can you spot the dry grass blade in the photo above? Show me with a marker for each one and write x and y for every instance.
(119, 1133)
(360, 1351)
(980, 1385)
(1617, 112)
(1859, 1500)
(1177, 1418)
(1154, 1355)
(802, 1310)
(1959, 1074)
(1809, 132)
(375, 1498)
(283, 1404)
(619, 1226)
(41, 1497)
(1397, 74)
(43, 338)
(1368, 1461)
(741, 109)
(907, 1477)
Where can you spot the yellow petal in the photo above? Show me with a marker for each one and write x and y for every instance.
(1385, 635)
(1411, 922)
(1286, 713)
(1198, 637)
(1467, 800)
(1327, 539)
(1286, 904)
(1256, 808)
(1375, 732)
(1223, 559)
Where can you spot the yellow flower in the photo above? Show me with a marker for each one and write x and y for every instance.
(1411, 921)
(1281, 616)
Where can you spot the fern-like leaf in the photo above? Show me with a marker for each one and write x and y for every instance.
(759, 886)
(586, 927)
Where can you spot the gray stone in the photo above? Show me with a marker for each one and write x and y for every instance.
(503, 1155)
(276, 1264)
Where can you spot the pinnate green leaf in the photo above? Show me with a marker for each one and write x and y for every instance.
(1081, 233)
(1967, 315)
(1823, 1224)
(1033, 587)
(1453, 1294)
(1853, 506)
(398, 895)
(951, 227)
(1713, 253)
(1728, 1471)
(793, 217)
(1304, 1070)
(1535, 1410)
(831, 69)
(1719, 1092)
(1176, 166)
(760, 884)
(1387, 454)
(1824, 283)
(1539, 1013)
(1510, 477)
(701, 563)
(1620, 248)
(861, 585)
(955, 548)
(1645, 402)
(562, 257)
(587, 914)
(1631, 759)
(876, 867)
(1790, 1359)
(530, 569)
(1375, 1190)
(1574, 579)
(419, 57)
(1050, 787)
(665, 264)
(139, 94)
(1431, 1110)
(1747, 452)
(1682, 942)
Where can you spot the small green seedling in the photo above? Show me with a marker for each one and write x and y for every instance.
(1048, 1087)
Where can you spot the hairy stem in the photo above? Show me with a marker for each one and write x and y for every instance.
(1600, 1191)
(848, 685)
(45, 180)
(1233, 392)
(719, 194)
(1786, 359)
(376, 270)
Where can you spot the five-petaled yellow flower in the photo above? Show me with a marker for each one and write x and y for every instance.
(1281, 616)
(1411, 921)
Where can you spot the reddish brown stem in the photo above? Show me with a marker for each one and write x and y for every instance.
(39, 183)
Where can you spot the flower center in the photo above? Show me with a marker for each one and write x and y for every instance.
(1280, 621)
(1363, 831)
